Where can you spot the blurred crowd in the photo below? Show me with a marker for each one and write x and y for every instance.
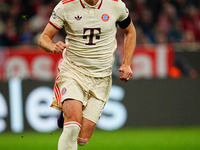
(156, 21)
(22, 21)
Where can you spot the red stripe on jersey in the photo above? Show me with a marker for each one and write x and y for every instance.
(82, 4)
(66, 1)
(115, 0)
(72, 122)
(100, 4)
(54, 25)
(57, 92)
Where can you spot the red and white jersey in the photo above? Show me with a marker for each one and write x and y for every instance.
(91, 33)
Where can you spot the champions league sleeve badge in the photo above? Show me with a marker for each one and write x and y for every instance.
(53, 15)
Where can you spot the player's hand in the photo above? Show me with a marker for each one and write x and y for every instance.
(127, 73)
(59, 47)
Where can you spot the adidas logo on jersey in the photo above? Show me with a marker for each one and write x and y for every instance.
(78, 18)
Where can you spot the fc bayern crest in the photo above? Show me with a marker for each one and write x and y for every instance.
(64, 90)
(105, 17)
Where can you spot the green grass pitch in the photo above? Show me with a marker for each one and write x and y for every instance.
(123, 139)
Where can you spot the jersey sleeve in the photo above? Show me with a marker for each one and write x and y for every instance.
(123, 10)
(57, 18)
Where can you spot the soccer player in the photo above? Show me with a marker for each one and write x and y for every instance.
(84, 80)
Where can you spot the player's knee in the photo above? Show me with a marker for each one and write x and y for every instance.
(82, 141)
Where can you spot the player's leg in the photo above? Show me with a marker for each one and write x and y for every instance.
(72, 110)
(91, 115)
(87, 129)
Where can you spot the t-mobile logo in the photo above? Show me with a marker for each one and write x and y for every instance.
(91, 36)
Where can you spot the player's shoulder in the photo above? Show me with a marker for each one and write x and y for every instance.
(68, 3)
(114, 3)
(65, 5)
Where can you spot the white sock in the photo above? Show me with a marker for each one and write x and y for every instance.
(68, 138)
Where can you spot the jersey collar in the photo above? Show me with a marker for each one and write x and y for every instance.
(85, 5)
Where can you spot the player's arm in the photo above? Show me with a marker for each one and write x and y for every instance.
(129, 47)
(46, 43)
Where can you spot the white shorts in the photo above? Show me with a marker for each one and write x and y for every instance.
(91, 91)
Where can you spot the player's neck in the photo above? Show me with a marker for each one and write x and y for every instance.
(91, 2)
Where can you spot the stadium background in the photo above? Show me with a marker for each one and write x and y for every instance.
(158, 109)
